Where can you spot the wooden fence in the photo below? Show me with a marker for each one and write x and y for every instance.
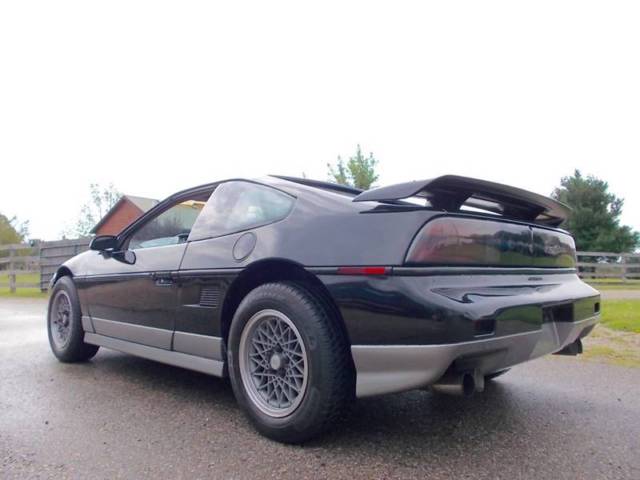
(45, 257)
(41, 259)
(607, 265)
(18, 259)
(54, 254)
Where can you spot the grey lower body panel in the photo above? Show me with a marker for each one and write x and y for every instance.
(202, 353)
(200, 345)
(87, 326)
(153, 337)
(178, 359)
(396, 368)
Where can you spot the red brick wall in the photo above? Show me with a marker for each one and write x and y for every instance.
(126, 213)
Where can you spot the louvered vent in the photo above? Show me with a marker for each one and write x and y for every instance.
(210, 297)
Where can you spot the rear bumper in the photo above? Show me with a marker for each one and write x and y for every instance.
(406, 329)
(432, 307)
(395, 368)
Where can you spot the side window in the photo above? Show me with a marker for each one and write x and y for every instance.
(239, 205)
(171, 227)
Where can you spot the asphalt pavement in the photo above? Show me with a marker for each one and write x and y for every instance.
(122, 417)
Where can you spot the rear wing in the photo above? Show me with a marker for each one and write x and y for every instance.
(451, 193)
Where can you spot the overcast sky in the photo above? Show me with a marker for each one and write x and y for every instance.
(159, 96)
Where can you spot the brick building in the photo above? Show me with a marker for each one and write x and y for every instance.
(125, 211)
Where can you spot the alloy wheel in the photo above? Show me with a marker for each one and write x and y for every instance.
(273, 363)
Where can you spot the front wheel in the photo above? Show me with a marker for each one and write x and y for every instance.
(289, 362)
(64, 324)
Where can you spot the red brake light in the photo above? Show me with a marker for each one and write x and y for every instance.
(364, 270)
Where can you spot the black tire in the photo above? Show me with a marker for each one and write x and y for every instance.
(72, 348)
(330, 377)
(493, 375)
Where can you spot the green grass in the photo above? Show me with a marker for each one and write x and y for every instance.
(625, 357)
(21, 277)
(618, 347)
(614, 284)
(623, 315)
(21, 292)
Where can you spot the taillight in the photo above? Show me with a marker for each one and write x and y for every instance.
(364, 270)
(473, 242)
(553, 249)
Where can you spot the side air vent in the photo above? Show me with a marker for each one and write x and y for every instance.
(210, 297)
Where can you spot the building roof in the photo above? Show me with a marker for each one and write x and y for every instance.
(144, 204)
(141, 203)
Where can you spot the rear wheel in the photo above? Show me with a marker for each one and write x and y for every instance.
(289, 362)
(64, 324)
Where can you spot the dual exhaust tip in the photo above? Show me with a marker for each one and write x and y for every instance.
(461, 384)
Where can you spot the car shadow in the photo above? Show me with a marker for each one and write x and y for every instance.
(148, 375)
(418, 425)
(406, 418)
(412, 425)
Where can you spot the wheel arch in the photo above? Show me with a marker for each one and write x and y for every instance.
(275, 270)
(62, 271)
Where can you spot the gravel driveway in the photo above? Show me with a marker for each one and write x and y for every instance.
(122, 417)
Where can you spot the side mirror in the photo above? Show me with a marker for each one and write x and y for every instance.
(104, 242)
(126, 256)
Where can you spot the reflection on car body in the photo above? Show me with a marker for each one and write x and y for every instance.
(308, 294)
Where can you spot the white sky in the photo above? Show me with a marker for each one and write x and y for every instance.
(159, 96)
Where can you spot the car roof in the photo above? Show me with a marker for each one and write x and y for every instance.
(277, 181)
(330, 186)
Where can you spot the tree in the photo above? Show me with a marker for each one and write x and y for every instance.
(102, 199)
(358, 172)
(595, 216)
(12, 230)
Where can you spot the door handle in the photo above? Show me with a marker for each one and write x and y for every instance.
(162, 279)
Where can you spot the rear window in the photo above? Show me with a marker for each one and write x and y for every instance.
(239, 205)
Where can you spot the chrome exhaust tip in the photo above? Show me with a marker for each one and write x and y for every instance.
(459, 384)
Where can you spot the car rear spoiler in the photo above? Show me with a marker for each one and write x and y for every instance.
(451, 192)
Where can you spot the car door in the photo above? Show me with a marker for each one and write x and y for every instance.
(133, 297)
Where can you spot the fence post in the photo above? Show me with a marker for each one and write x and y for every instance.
(41, 268)
(12, 271)
(623, 262)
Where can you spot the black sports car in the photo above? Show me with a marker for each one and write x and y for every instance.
(308, 294)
